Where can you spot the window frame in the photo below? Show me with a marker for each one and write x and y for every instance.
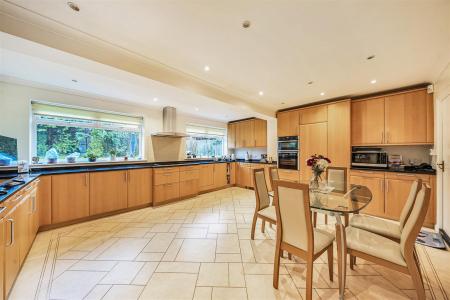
(214, 128)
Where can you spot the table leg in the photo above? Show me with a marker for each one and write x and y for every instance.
(342, 254)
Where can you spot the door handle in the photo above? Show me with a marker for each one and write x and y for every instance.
(442, 166)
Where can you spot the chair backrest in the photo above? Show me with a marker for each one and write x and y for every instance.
(406, 210)
(415, 221)
(337, 178)
(273, 175)
(261, 191)
(294, 225)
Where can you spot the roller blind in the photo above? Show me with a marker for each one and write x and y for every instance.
(201, 129)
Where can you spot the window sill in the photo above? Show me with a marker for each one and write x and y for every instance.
(87, 163)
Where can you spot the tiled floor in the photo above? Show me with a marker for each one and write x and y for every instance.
(196, 249)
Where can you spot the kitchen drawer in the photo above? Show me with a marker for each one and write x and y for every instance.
(192, 174)
(164, 178)
(289, 175)
(166, 170)
(189, 188)
(166, 192)
(407, 176)
(375, 174)
(189, 168)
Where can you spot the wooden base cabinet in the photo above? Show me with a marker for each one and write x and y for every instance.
(2, 258)
(220, 175)
(108, 191)
(139, 187)
(70, 197)
(12, 252)
(189, 181)
(206, 177)
(165, 193)
(375, 182)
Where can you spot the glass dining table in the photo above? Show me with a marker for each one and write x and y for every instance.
(340, 205)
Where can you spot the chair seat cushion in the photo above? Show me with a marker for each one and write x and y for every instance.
(376, 225)
(269, 212)
(374, 245)
(322, 239)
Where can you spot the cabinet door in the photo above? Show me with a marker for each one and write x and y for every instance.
(239, 135)
(313, 140)
(231, 136)
(70, 197)
(289, 175)
(166, 192)
(2, 258)
(339, 134)
(21, 233)
(376, 186)
(108, 191)
(288, 123)
(139, 187)
(397, 192)
(188, 187)
(406, 118)
(233, 173)
(206, 177)
(260, 133)
(220, 175)
(430, 218)
(316, 114)
(249, 135)
(33, 222)
(430, 119)
(368, 122)
(44, 198)
(12, 256)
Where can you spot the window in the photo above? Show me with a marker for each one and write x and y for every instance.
(205, 141)
(84, 133)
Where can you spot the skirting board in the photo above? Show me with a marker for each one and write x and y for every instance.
(445, 236)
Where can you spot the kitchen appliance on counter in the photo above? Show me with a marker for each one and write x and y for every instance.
(288, 152)
(369, 157)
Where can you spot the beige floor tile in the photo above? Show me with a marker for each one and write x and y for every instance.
(173, 250)
(236, 275)
(98, 292)
(144, 274)
(197, 250)
(333, 294)
(400, 280)
(149, 256)
(74, 284)
(218, 228)
(203, 293)
(228, 243)
(124, 249)
(373, 287)
(220, 293)
(123, 273)
(100, 248)
(160, 242)
(412, 294)
(262, 269)
(260, 287)
(178, 267)
(191, 233)
(136, 232)
(246, 251)
(298, 274)
(125, 292)
(161, 228)
(162, 286)
(73, 255)
(93, 265)
(213, 274)
(228, 257)
(62, 265)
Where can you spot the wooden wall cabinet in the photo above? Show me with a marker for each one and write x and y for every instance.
(339, 145)
(247, 134)
(260, 132)
(288, 123)
(313, 140)
(139, 187)
(108, 191)
(368, 122)
(231, 135)
(315, 114)
(70, 197)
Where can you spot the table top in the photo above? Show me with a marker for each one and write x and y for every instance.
(353, 201)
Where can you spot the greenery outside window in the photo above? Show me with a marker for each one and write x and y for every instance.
(84, 133)
(204, 141)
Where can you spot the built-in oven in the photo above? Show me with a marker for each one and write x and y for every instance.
(288, 160)
(369, 158)
(288, 143)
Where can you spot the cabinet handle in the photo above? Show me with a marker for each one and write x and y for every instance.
(382, 185)
(388, 135)
(11, 239)
(387, 186)
(126, 176)
(382, 136)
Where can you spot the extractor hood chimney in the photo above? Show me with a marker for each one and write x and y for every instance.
(170, 124)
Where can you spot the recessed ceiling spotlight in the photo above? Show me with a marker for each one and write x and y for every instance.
(370, 57)
(206, 68)
(322, 94)
(155, 99)
(74, 80)
(310, 82)
(373, 81)
(73, 6)
(246, 24)
(196, 109)
(261, 93)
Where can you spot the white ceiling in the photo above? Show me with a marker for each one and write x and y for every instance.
(288, 44)
(44, 66)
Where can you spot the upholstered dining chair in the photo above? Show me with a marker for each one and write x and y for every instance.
(389, 229)
(336, 178)
(263, 209)
(273, 175)
(401, 256)
(295, 232)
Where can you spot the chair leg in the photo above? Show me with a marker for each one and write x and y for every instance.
(417, 280)
(330, 261)
(352, 262)
(309, 278)
(263, 226)
(416, 258)
(346, 220)
(253, 226)
(276, 267)
(289, 256)
(326, 219)
(315, 219)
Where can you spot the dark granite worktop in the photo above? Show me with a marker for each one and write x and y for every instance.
(398, 170)
(27, 178)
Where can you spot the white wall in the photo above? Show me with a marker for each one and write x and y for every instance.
(15, 114)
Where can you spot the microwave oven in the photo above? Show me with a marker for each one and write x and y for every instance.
(369, 158)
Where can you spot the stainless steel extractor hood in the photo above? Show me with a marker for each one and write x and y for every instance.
(170, 124)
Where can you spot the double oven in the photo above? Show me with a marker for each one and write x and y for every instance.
(288, 152)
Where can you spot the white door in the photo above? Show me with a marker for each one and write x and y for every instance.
(445, 113)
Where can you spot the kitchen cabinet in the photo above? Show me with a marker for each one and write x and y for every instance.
(375, 182)
(12, 254)
(260, 132)
(368, 122)
(22, 214)
(289, 175)
(288, 123)
(206, 177)
(44, 200)
(233, 172)
(108, 191)
(33, 219)
(314, 114)
(231, 135)
(244, 178)
(2, 258)
(139, 187)
(248, 132)
(338, 131)
(406, 118)
(220, 175)
(313, 140)
(165, 193)
(70, 197)
(189, 181)
(430, 119)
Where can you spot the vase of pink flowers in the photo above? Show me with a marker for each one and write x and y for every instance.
(318, 165)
